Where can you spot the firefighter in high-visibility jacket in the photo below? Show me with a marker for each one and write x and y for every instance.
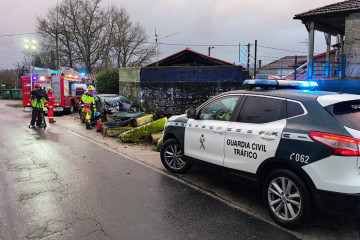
(50, 104)
(89, 106)
(38, 97)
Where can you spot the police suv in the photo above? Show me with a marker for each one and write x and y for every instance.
(300, 146)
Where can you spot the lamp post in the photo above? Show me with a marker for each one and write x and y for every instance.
(30, 45)
(209, 50)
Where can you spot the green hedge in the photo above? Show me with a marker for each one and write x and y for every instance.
(107, 81)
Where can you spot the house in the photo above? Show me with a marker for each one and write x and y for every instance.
(281, 67)
(180, 81)
(342, 21)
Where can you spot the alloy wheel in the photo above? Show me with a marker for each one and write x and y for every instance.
(284, 198)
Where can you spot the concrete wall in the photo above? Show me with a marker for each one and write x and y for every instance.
(352, 45)
(129, 83)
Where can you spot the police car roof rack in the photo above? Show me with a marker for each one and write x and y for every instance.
(251, 84)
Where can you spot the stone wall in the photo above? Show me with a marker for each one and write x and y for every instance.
(352, 45)
(173, 90)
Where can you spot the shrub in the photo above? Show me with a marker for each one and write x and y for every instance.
(107, 81)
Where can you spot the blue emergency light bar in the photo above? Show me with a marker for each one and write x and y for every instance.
(271, 83)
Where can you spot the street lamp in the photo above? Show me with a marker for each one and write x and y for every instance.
(30, 45)
(209, 50)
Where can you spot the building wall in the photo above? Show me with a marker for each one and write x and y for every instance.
(345, 86)
(352, 45)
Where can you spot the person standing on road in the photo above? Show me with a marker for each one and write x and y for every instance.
(50, 104)
(38, 97)
(89, 106)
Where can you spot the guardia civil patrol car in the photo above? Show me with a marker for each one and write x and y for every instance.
(301, 147)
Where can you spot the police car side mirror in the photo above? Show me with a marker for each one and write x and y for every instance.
(191, 113)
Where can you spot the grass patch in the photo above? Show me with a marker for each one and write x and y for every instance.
(15, 105)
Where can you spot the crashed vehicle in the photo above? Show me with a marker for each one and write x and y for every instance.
(120, 107)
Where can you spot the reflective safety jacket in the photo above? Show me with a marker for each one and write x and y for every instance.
(39, 98)
(89, 102)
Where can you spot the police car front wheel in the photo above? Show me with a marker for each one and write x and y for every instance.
(172, 157)
(286, 198)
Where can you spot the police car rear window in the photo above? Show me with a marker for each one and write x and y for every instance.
(262, 110)
(347, 113)
(293, 109)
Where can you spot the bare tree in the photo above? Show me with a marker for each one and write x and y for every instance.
(129, 41)
(92, 37)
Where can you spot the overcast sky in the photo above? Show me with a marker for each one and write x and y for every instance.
(196, 24)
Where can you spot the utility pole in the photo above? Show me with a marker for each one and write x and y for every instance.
(156, 44)
(156, 47)
(255, 59)
(248, 58)
(295, 66)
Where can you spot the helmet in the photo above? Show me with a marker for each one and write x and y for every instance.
(37, 85)
(48, 89)
(91, 88)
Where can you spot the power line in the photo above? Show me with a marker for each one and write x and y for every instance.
(286, 50)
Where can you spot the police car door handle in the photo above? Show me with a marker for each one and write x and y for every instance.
(268, 136)
(218, 131)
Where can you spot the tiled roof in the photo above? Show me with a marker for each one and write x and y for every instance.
(318, 56)
(189, 57)
(340, 7)
(285, 62)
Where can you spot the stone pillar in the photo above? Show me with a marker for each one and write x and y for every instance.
(129, 83)
(311, 29)
(352, 46)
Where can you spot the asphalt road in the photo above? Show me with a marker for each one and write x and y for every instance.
(56, 184)
(69, 183)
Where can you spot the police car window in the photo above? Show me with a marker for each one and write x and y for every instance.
(262, 110)
(347, 113)
(220, 109)
(293, 109)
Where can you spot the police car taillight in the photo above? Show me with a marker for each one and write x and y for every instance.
(339, 145)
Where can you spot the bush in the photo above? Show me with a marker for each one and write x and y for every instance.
(107, 81)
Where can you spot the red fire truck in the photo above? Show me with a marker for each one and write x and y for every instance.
(67, 84)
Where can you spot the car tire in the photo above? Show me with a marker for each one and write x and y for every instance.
(172, 157)
(72, 107)
(286, 198)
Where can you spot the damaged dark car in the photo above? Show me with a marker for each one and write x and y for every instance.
(120, 107)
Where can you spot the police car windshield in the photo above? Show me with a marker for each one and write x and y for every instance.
(347, 113)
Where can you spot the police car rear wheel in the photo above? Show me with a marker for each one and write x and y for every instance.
(172, 157)
(286, 198)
